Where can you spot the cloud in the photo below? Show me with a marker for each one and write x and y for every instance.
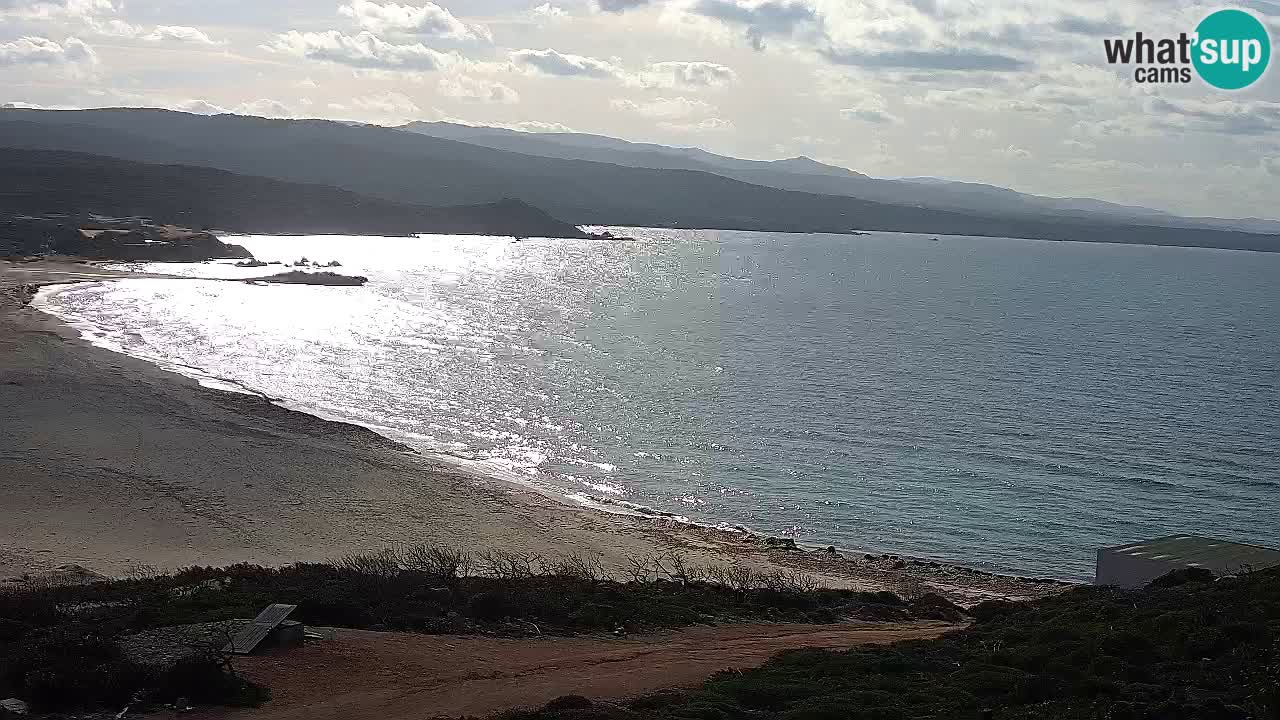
(179, 33)
(1013, 152)
(548, 12)
(199, 107)
(529, 126)
(984, 134)
(266, 108)
(867, 106)
(943, 59)
(876, 116)
(551, 62)
(686, 75)
(617, 6)
(664, 108)
(56, 8)
(477, 89)
(43, 51)
(364, 51)
(387, 105)
(1271, 165)
(1077, 25)
(428, 19)
(702, 126)
(759, 20)
(1228, 117)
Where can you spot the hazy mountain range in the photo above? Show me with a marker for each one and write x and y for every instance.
(808, 175)
(46, 182)
(585, 179)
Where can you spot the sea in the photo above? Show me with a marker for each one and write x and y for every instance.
(1005, 404)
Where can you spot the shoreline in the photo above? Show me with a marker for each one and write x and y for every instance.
(184, 487)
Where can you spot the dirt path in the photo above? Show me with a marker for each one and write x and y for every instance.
(385, 676)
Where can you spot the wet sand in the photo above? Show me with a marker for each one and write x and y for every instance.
(113, 464)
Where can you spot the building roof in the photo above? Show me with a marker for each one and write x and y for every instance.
(1194, 551)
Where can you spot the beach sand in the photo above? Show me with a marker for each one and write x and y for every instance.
(113, 464)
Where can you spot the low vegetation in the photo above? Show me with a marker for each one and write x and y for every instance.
(60, 646)
(1184, 648)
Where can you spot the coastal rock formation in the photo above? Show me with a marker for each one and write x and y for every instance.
(135, 242)
(156, 245)
(297, 277)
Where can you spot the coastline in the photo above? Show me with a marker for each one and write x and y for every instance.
(114, 463)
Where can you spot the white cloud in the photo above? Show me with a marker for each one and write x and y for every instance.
(1271, 165)
(678, 75)
(1013, 152)
(43, 51)
(364, 51)
(426, 19)
(664, 108)
(389, 104)
(530, 126)
(550, 13)
(266, 108)
(702, 126)
(876, 115)
(552, 62)
(179, 33)
(199, 107)
(46, 9)
(479, 89)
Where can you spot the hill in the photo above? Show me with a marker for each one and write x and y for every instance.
(405, 167)
(1201, 650)
(808, 175)
(38, 182)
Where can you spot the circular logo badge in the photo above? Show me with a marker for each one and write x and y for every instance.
(1233, 49)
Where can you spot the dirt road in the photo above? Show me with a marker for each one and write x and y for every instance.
(386, 676)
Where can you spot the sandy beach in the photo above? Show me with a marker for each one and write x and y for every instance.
(113, 464)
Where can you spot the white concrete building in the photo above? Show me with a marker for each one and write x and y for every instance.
(1136, 564)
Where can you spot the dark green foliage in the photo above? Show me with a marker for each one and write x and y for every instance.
(59, 651)
(59, 646)
(1192, 650)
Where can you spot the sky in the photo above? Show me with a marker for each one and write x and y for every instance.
(1015, 93)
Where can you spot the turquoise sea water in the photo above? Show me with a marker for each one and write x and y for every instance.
(1009, 404)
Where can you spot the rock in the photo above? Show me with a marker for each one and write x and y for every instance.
(15, 706)
(251, 264)
(782, 543)
(1182, 576)
(333, 263)
(831, 550)
(297, 277)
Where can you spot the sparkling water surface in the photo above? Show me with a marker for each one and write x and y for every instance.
(1008, 404)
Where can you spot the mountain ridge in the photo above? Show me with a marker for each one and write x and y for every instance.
(407, 167)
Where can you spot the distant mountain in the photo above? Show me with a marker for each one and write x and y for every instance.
(799, 173)
(808, 175)
(415, 168)
(39, 182)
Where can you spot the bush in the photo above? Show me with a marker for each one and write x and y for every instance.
(1187, 651)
